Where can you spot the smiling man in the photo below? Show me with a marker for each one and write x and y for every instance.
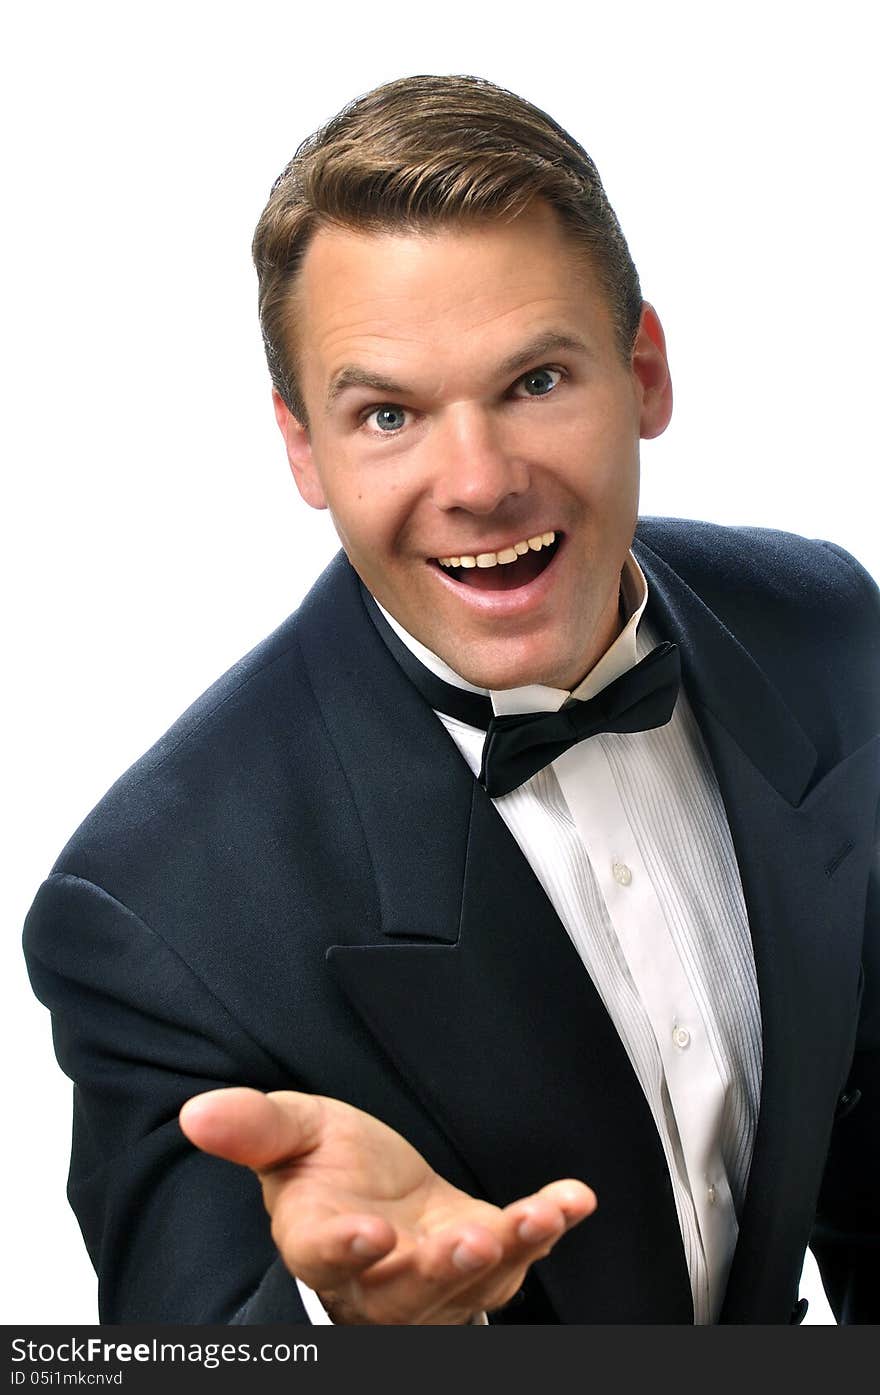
(503, 924)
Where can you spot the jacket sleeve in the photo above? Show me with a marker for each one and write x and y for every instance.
(846, 1236)
(175, 1235)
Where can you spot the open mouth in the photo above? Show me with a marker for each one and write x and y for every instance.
(508, 570)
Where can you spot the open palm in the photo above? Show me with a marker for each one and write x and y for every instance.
(362, 1218)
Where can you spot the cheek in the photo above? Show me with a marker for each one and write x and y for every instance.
(592, 434)
(600, 463)
(366, 516)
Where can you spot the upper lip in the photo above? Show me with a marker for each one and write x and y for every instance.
(474, 549)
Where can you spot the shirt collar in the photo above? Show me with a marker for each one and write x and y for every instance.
(536, 697)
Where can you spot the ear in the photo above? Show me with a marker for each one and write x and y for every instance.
(650, 368)
(299, 453)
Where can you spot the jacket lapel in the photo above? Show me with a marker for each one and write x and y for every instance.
(802, 839)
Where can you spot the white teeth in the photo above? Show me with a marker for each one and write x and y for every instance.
(502, 558)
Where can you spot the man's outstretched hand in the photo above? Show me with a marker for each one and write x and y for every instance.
(361, 1218)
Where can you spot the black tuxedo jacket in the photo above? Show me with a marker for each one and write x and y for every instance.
(302, 886)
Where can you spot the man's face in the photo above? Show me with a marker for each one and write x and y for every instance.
(466, 396)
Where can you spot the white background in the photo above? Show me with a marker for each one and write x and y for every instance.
(151, 531)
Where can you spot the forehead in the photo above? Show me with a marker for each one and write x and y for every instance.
(414, 299)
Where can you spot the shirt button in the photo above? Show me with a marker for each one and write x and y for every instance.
(711, 1196)
(681, 1037)
(621, 874)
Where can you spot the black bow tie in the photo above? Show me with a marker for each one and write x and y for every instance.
(520, 744)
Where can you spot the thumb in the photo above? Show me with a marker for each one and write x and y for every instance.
(259, 1131)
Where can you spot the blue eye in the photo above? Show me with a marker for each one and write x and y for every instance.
(388, 418)
(539, 382)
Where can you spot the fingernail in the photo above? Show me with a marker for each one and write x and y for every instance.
(463, 1257)
(365, 1248)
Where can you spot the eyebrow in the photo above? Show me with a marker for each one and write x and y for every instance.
(538, 348)
(352, 375)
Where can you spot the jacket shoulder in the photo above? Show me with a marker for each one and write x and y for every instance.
(805, 610)
(736, 569)
(252, 739)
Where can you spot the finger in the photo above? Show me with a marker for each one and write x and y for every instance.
(533, 1224)
(575, 1199)
(527, 1229)
(467, 1270)
(420, 1282)
(328, 1252)
(572, 1201)
(453, 1255)
(483, 1261)
(259, 1131)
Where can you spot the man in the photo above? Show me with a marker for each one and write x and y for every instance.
(554, 1018)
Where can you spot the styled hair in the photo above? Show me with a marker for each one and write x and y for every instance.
(419, 153)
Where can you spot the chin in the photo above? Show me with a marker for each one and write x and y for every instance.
(506, 673)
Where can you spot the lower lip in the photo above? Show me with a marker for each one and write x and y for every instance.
(501, 604)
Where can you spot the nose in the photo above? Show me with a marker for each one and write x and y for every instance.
(474, 468)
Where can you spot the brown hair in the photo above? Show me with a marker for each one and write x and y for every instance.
(421, 152)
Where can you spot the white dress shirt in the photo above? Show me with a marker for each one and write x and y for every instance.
(629, 838)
